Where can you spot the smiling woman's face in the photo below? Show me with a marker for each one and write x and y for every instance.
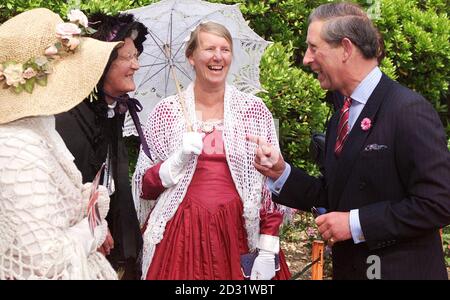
(211, 59)
(119, 79)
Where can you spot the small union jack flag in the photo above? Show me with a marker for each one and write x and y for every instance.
(93, 213)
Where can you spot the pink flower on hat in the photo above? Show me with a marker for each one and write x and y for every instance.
(51, 50)
(77, 16)
(29, 73)
(67, 30)
(366, 123)
(72, 43)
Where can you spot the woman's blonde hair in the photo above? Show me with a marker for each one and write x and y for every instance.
(209, 27)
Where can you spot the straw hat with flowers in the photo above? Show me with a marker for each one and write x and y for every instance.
(46, 67)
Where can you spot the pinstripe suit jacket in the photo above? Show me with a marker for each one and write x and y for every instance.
(397, 174)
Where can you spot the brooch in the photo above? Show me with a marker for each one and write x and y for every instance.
(208, 126)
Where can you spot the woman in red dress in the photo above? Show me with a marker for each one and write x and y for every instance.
(211, 206)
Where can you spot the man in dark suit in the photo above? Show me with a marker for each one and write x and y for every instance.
(386, 182)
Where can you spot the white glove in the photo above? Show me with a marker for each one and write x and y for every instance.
(264, 266)
(102, 201)
(82, 234)
(171, 170)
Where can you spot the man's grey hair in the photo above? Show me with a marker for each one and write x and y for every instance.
(348, 20)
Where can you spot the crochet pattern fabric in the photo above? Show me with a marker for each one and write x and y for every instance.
(41, 199)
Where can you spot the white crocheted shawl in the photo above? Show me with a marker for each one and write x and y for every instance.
(243, 114)
(40, 199)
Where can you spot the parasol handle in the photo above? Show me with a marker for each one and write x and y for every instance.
(183, 105)
(177, 84)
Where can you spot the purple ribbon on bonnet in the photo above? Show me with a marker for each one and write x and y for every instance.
(124, 103)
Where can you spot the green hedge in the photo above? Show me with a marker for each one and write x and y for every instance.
(417, 40)
(294, 98)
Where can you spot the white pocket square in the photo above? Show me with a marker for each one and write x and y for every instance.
(375, 147)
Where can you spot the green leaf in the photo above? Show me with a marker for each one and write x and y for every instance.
(29, 85)
(58, 46)
(90, 30)
(42, 80)
(18, 89)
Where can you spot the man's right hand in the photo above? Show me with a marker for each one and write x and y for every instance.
(268, 160)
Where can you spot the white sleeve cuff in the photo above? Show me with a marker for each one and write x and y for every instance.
(355, 227)
(276, 186)
(269, 243)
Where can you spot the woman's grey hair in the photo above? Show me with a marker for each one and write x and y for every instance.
(348, 20)
(209, 27)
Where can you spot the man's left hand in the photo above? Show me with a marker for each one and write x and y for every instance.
(334, 227)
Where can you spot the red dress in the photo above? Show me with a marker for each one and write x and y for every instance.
(206, 236)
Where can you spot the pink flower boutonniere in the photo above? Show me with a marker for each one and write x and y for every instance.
(366, 123)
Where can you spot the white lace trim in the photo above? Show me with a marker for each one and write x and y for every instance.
(208, 126)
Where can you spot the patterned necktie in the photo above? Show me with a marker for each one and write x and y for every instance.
(343, 127)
